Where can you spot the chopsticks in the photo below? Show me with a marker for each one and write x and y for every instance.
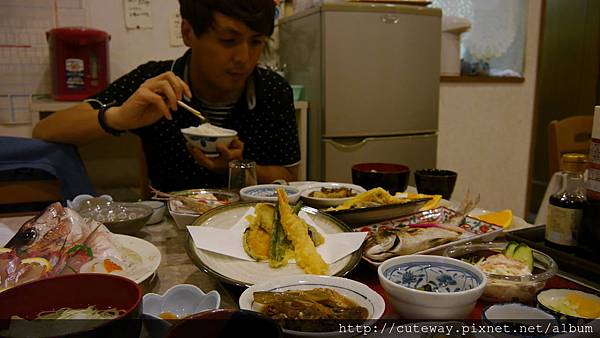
(192, 110)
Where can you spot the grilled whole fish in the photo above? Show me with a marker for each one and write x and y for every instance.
(386, 242)
(60, 236)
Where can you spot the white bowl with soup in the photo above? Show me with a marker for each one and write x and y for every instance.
(207, 136)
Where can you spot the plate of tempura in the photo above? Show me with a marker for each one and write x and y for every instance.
(276, 240)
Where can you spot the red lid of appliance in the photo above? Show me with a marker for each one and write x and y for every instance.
(74, 34)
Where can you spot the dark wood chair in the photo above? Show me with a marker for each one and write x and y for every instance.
(569, 135)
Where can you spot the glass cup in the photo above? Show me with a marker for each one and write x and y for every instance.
(242, 173)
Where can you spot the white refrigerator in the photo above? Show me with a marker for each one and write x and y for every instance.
(371, 75)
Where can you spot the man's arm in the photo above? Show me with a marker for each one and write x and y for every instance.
(76, 125)
(270, 173)
(148, 104)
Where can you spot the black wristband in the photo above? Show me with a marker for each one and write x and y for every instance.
(102, 121)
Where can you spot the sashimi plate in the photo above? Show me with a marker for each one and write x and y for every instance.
(144, 255)
(239, 272)
(475, 229)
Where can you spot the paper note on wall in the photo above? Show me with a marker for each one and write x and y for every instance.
(175, 39)
(138, 14)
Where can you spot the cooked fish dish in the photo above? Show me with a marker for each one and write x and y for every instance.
(387, 241)
(315, 310)
(371, 198)
(342, 192)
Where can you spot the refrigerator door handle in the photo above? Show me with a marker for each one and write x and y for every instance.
(390, 18)
(349, 144)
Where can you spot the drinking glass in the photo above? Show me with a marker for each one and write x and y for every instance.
(242, 173)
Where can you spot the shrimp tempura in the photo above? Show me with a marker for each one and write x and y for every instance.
(296, 231)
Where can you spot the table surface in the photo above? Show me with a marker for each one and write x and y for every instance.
(177, 268)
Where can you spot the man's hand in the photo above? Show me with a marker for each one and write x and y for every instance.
(155, 98)
(219, 164)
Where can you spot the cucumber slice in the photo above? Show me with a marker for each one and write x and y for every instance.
(509, 251)
(524, 254)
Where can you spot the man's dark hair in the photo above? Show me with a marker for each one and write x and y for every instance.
(256, 14)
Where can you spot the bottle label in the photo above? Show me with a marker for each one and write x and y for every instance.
(595, 152)
(562, 225)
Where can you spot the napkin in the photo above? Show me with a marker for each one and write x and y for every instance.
(6, 233)
(229, 241)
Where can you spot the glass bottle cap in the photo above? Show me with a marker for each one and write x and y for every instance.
(573, 162)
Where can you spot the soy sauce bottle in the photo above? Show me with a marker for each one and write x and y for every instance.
(565, 209)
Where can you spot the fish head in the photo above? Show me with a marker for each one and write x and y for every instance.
(381, 243)
(43, 234)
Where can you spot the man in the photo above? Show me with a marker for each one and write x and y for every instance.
(218, 76)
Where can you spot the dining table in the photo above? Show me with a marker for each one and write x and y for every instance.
(176, 267)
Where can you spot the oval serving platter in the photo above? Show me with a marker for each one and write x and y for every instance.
(362, 216)
(246, 273)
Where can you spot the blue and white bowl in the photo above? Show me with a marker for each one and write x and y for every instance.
(454, 286)
(268, 193)
(181, 300)
(208, 143)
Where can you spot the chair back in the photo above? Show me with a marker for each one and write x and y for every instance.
(569, 135)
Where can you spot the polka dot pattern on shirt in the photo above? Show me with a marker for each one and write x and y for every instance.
(269, 131)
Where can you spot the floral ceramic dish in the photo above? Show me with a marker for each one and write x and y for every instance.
(268, 193)
(431, 287)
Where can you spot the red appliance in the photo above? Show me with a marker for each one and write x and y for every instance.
(78, 62)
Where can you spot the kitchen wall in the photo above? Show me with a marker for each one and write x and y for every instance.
(485, 131)
(485, 128)
(130, 48)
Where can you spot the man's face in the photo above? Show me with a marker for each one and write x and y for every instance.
(224, 56)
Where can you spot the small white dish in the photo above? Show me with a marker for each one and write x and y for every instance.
(181, 300)
(158, 213)
(513, 317)
(211, 198)
(268, 193)
(182, 219)
(458, 285)
(357, 292)
(573, 306)
(322, 202)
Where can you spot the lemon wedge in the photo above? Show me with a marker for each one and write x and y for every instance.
(5, 250)
(502, 218)
(39, 261)
(433, 203)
